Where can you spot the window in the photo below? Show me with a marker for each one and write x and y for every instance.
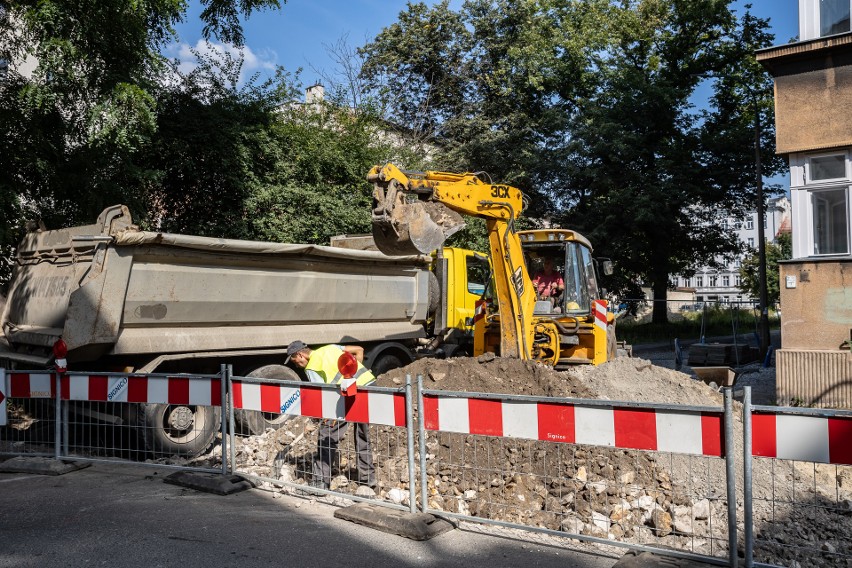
(737, 282)
(822, 168)
(750, 242)
(686, 282)
(477, 274)
(830, 223)
(699, 281)
(726, 281)
(749, 224)
(833, 17)
(713, 280)
(724, 224)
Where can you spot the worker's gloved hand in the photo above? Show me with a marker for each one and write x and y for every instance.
(348, 387)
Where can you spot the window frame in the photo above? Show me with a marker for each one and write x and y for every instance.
(809, 180)
(812, 232)
(810, 25)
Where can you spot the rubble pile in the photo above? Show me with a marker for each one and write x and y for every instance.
(669, 500)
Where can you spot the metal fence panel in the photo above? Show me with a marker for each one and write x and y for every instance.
(30, 413)
(165, 420)
(290, 456)
(642, 476)
(801, 486)
(632, 475)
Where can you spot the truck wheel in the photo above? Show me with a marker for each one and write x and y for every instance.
(173, 429)
(253, 422)
(385, 364)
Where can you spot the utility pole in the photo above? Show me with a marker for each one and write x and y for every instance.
(763, 323)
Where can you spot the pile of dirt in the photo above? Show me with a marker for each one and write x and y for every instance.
(489, 374)
(624, 379)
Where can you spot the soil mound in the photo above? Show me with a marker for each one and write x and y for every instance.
(624, 379)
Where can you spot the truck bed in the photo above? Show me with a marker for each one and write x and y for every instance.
(112, 289)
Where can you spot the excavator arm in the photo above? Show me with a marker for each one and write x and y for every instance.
(414, 213)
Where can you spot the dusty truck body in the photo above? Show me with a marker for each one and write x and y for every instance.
(123, 299)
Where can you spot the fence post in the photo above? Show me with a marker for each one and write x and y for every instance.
(731, 478)
(421, 430)
(57, 427)
(233, 434)
(223, 378)
(409, 426)
(747, 479)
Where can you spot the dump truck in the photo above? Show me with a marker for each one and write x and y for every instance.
(123, 299)
(415, 212)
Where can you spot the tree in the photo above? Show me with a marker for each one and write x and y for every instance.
(494, 83)
(657, 176)
(72, 132)
(781, 249)
(587, 107)
(252, 161)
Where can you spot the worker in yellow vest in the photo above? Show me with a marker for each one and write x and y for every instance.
(321, 366)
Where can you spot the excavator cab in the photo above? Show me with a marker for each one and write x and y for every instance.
(562, 271)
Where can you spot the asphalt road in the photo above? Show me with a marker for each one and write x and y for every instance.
(123, 515)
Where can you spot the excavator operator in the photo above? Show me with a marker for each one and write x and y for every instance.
(548, 283)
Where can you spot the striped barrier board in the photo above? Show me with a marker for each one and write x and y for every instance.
(600, 314)
(802, 438)
(200, 391)
(688, 432)
(29, 385)
(387, 408)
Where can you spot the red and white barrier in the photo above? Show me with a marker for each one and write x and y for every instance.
(600, 313)
(802, 438)
(200, 391)
(630, 428)
(29, 385)
(372, 407)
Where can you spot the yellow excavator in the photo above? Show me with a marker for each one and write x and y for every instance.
(556, 317)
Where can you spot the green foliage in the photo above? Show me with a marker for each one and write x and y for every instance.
(78, 134)
(781, 249)
(251, 162)
(318, 188)
(492, 82)
(587, 108)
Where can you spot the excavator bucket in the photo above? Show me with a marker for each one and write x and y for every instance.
(403, 224)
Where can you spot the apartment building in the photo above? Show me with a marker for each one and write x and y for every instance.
(723, 285)
(813, 95)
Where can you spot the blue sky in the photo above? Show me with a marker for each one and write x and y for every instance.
(295, 36)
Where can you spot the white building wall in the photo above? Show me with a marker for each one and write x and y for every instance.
(777, 213)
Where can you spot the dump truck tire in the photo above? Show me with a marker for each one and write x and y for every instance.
(386, 363)
(183, 430)
(254, 422)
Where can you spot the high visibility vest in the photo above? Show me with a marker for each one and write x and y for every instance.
(323, 363)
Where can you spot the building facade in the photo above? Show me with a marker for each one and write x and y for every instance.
(813, 98)
(723, 285)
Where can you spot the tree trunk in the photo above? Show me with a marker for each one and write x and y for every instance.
(660, 286)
